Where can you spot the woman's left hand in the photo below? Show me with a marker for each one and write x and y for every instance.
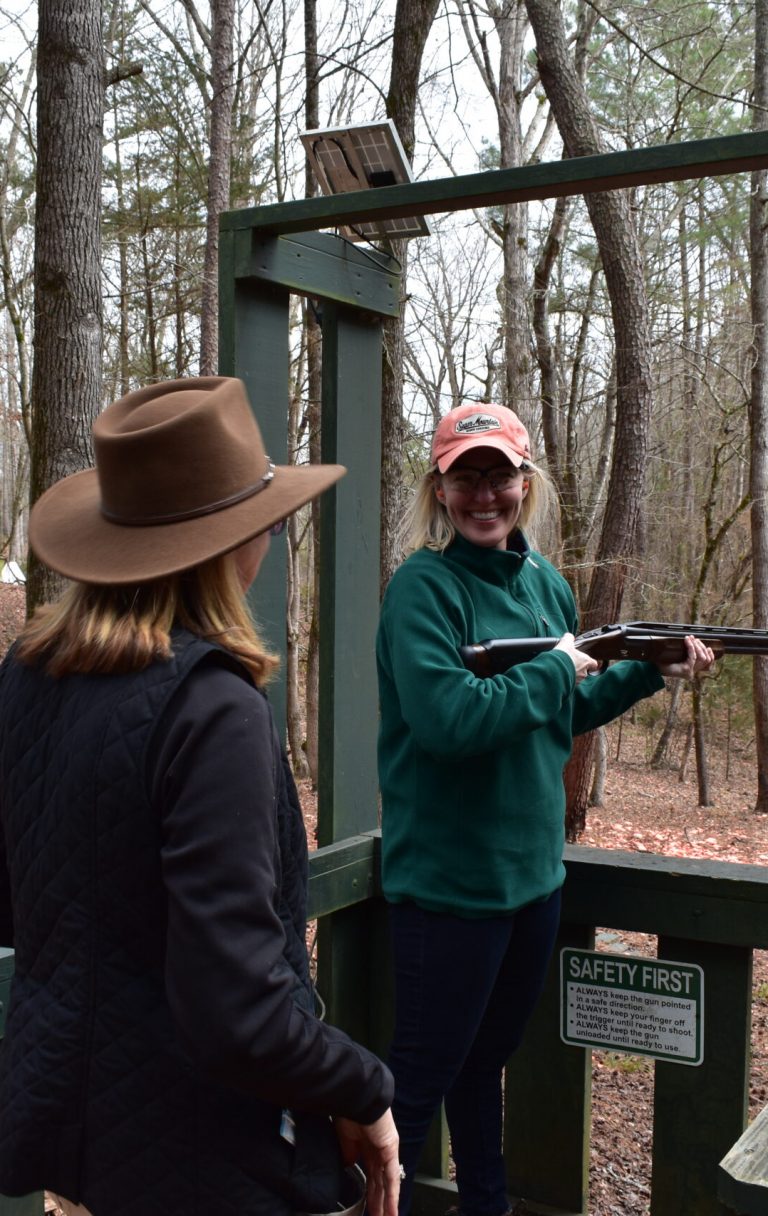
(375, 1144)
(699, 658)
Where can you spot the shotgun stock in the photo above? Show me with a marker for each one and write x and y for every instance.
(656, 641)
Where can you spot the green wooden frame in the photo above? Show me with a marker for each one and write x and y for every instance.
(268, 252)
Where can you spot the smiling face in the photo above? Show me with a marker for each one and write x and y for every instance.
(484, 516)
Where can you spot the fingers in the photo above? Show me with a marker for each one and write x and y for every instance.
(376, 1145)
(699, 658)
(583, 663)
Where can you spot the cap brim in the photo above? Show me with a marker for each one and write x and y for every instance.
(481, 441)
(68, 532)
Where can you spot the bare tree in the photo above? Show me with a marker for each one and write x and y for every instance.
(222, 96)
(413, 21)
(66, 377)
(622, 262)
(758, 411)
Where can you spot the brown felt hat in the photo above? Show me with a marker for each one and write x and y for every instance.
(181, 476)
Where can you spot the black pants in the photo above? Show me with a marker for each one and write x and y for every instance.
(465, 989)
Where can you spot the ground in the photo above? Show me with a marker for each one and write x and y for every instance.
(651, 812)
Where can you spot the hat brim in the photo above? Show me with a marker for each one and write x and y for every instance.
(480, 441)
(68, 532)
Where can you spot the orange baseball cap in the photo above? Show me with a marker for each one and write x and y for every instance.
(477, 425)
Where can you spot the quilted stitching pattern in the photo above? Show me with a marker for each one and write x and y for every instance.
(90, 1067)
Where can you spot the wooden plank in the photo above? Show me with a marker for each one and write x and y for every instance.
(549, 179)
(255, 347)
(699, 900)
(742, 1176)
(319, 264)
(349, 573)
(548, 1099)
(27, 1205)
(699, 1112)
(6, 971)
(341, 875)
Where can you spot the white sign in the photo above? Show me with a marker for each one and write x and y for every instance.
(626, 1003)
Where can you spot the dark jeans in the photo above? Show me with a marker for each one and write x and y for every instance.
(464, 992)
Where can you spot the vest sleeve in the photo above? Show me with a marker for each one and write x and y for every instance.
(215, 780)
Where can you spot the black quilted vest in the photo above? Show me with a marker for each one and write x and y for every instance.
(82, 879)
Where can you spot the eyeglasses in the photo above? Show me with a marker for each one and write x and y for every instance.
(467, 481)
(277, 528)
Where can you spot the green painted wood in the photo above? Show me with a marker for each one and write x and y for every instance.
(6, 971)
(698, 900)
(349, 575)
(742, 1176)
(342, 874)
(548, 1099)
(27, 1205)
(700, 1112)
(254, 335)
(322, 265)
(346, 969)
(550, 179)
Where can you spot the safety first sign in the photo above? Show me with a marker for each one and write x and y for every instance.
(647, 1006)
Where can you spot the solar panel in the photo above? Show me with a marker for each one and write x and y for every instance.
(363, 158)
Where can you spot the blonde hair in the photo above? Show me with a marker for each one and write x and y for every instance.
(112, 630)
(426, 524)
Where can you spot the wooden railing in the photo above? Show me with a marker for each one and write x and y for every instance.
(708, 913)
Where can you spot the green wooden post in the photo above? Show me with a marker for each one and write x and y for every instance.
(254, 345)
(349, 606)
(700, 1112)
(349, 574)
(27, 1205)
(548, 1099)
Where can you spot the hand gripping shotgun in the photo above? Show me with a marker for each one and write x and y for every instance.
(653, 640)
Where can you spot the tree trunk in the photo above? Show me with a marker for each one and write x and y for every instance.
(758, 411)
(702, 767)
(597, 793)
(661, 751)
(511, 26)
(66, 378)
(222, 97)
(612, 221)
(413, 21)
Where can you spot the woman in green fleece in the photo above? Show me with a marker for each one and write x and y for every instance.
(471, 779)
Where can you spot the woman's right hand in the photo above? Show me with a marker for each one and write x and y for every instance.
(375, 1145)
(583, 663)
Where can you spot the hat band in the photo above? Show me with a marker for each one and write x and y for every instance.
(208, 509)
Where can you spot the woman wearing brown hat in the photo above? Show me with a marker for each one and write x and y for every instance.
(161, 1052)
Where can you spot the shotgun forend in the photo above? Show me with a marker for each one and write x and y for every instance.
(654, 640)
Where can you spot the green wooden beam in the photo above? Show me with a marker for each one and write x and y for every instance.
(323, 265)
(6, 971)
(349, 572)
(698, 900)
(254, 345)
(700, 1112)
(343, 874)
(550, 179)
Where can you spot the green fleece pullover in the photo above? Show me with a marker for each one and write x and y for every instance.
(471, 769)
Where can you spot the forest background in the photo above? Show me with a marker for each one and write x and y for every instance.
(625, 329)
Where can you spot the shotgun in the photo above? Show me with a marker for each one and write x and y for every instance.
(652, 640)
